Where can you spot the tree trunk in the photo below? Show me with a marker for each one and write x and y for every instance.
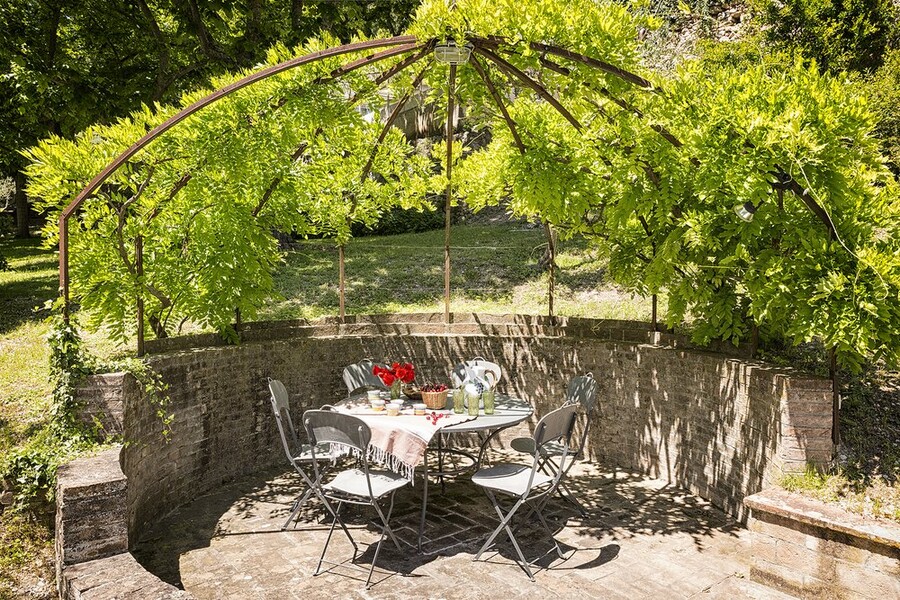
(296, 15)
(548, 260)
(207, 44)
(162, 50)
(21, 207)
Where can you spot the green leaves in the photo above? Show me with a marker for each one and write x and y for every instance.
(651, 177)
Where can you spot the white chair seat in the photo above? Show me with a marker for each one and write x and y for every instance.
(509, 478)
(353, 481)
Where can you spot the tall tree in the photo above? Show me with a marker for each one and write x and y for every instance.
(65, 64)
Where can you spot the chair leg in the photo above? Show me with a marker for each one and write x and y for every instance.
(386, 528)
(331, 511)
(385, 532)
(504, 526)
(337, 520)
(540, 515)
(328, 539)
(566, 494)
(295, 509)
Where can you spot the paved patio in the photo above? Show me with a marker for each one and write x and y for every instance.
(644, 539)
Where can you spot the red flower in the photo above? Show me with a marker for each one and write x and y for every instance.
(405, 372)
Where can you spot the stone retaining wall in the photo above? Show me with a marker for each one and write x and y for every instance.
(722, 427)
(813, 550)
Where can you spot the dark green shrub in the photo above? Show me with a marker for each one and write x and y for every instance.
(884, 95)
(399, 220)
(838, 34)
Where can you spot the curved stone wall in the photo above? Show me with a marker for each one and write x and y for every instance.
(721, 426)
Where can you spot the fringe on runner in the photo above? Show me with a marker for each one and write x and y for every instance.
(379, 456)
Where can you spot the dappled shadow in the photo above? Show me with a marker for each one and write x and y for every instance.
(238, 529)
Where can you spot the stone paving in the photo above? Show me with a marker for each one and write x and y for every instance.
(644, 538)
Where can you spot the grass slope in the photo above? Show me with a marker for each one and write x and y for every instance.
(494, 270)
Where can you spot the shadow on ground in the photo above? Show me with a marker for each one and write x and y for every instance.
(641, 536)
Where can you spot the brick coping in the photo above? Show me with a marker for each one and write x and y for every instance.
(799, 508)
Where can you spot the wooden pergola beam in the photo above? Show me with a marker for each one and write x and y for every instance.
(450, 108)
(369, 60)
(595, 63)
(499, 102)
(514, 72)
(619, 72)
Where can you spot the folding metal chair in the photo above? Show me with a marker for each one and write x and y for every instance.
(582, 391)
(298, 454)
(528, 484)
(352, 486)
(359, 376)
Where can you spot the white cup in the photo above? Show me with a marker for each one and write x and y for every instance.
(419, 409)
(377, 405)
(373, 394)
(393, 409)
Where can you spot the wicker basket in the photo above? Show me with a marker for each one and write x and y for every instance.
(435, 400)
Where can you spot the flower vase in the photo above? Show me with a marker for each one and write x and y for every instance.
(396, 388)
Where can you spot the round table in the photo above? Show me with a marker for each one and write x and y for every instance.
(508, 412)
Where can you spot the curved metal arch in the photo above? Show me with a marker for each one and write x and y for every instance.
(404, 40)
(398, 45)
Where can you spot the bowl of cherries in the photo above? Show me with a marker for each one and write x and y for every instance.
(434, 395)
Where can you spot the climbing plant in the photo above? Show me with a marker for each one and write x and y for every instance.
(650, 168)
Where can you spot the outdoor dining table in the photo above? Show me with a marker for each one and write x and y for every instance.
(508, 412)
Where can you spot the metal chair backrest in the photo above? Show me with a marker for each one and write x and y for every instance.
(327, 427)
(282, 408)
(555, 426)
(360, 375)
(583, 391)
(463, 370)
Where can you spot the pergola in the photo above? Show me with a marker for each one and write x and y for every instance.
(476, 52)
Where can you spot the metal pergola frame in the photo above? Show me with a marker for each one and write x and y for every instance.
(488, 49)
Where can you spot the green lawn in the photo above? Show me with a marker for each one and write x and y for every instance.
(26, 550)
(494, 270)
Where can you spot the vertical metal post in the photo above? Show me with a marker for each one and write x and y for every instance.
(835, 396)
(450, 109)
(551, 284)
(139, 269)
(64, 265)
(653, 318)
(341, 279)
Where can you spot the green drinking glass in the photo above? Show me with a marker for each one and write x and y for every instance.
(473, 401)
(488, 398)
(459, 397)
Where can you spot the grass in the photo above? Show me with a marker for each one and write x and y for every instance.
(494, 270)
(876, 499)
(26, 553)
